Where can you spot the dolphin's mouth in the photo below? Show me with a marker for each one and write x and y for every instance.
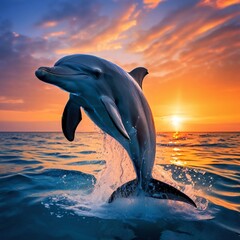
(58, 71)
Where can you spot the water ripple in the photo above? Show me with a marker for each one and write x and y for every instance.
(47, 181)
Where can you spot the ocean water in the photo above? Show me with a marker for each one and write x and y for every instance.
(53, 189)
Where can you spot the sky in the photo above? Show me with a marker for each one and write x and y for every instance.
(191, 49)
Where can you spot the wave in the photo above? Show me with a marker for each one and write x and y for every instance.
(87, 152)
(59, 155)
(91, 162)
(55, 172)
(39, 177)
(20, 161)
(138, 208)
(210, 145)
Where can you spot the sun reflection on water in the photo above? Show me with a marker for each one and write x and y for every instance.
(176, 155)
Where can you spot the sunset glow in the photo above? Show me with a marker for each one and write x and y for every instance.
(190, 48)
(176, 122)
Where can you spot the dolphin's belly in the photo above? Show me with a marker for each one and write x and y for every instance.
(142, 146)
(104, 122)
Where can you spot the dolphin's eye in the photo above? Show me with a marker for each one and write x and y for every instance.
(97, 73)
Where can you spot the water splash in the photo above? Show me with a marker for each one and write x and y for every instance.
(118, 170)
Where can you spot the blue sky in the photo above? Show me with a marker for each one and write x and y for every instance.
(190, 47)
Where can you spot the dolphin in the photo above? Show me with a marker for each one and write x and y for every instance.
(114, 101)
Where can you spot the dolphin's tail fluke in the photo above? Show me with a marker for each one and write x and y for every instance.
(126, 190)
(161, 190)
(155, 189)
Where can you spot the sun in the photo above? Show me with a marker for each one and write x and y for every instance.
(176, 122)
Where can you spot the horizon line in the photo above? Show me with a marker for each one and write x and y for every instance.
(238, 131)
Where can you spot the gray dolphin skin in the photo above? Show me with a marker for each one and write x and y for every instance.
(114, 101)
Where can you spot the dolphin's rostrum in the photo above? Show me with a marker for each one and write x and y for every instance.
(115, 102)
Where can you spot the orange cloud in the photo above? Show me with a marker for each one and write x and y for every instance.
(10, 101)
(219, 3)
(213, 48)
(212, 24)
(226, 3)
(151, 3)
(175, 43)
(145, 38)
(49, 24)
(110, 37)
(54, 34)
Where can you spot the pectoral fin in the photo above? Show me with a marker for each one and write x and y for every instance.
(114, 115)
(70, 119)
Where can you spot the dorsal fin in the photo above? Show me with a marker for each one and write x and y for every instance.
(138, 74)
